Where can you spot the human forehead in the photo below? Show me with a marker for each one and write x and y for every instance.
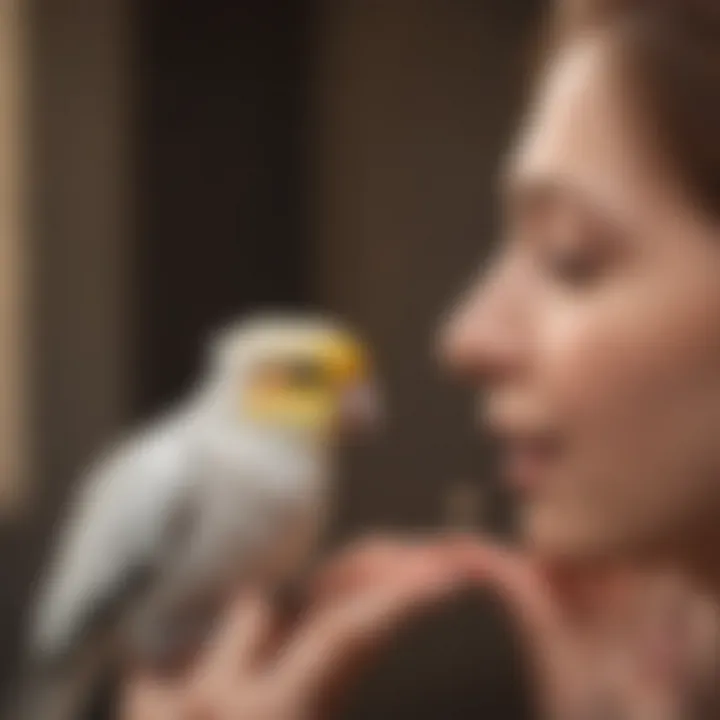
(583, 134)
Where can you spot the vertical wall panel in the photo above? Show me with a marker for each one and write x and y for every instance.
(78, 144)
(14, 440)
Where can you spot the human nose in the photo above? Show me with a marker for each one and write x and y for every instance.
(485, 335)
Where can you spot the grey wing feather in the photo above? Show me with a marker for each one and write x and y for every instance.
(114, 534)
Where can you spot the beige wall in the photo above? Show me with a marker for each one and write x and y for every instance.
(65, 238)
(13, 260)
(76, 248)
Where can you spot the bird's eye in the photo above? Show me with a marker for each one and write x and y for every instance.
(306, 374)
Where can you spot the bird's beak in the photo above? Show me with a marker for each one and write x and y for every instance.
(361, 408)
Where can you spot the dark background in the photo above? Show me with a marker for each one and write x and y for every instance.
(193, 161)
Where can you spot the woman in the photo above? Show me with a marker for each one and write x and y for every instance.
(595, 338)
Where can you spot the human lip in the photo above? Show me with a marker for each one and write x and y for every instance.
(529, 448)
(528, 458)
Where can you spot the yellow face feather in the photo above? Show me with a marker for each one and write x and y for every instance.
(300, 379)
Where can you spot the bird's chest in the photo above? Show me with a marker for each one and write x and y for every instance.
(249, 506)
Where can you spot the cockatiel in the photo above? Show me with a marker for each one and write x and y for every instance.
(230, 487)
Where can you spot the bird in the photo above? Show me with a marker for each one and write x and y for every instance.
(231, 486)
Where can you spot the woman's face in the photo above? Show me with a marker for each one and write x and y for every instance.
(595, 335)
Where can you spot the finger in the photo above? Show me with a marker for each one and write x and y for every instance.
(240, 635)
(348, 564)
(547, 596)
(337, 640)
(369, 562)
(518, 581)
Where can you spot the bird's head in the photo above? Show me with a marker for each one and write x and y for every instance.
(298, 374)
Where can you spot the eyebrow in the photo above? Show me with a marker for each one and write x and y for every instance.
(528, 193)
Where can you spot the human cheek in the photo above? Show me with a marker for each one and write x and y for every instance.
(587, 356)
(636, 391)
(610, 398)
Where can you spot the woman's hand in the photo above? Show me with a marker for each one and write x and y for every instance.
(248, 673)
(578, 628)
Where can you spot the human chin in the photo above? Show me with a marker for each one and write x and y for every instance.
(556, 536)
(583, 518)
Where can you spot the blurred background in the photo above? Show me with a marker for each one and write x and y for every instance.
(168, 165)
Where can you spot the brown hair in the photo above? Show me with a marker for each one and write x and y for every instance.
(670, 50)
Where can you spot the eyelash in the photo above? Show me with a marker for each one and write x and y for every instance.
(576, 267)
